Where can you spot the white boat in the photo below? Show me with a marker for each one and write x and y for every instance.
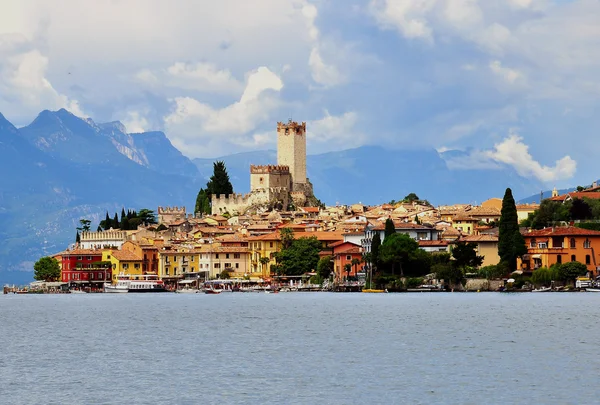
(593, 289)
(147, 283)
(186, 291)
(542, 289)
(77, 292)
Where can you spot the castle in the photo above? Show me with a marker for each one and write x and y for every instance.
(274, 186)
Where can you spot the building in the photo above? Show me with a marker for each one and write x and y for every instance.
(274, 186)
(523, 211)
(148, 252)
(122, 262)
(84, 266)
(345, 253)
(110, 239)
(416, 231)
(168, 215)
(550, 246)
(487, 246)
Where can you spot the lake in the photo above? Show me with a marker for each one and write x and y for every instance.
(299, 348)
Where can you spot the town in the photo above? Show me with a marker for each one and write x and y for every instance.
(280, 237)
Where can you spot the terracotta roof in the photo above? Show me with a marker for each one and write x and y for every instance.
(81, 252)
(125, 256)
(340, 243)
(402, 225)
(351, 250)
(561, 231)
(480, 238)
(310, 209)
(450, 231)
(464, 217)
(483, 211)
(433, 243)
(594, 195)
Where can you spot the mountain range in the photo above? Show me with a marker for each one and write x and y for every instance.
(61, 168)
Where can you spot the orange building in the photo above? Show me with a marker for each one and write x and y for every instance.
(343, 254)
(550, 246)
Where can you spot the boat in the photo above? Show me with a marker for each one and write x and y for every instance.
(186, 291)
(373, 291)
(542, 289)
(212, 291)
(147, 283)
(77, 292)
(593, 289)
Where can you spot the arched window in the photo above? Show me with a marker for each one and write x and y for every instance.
(559, 259)
(588, 259)
(587, 244)
(533, 243)
(572, 243)
(573, 258)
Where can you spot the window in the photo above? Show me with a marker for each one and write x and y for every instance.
(573, 258)
(227, 265)
(588, 260)
(236, 255)
(217, 256)
(167, 271)
(559, 259)
(92, 276)
(421, 235)
(533, 243)
(136, 265)
(587, 244)
(348, 257)
(226, 255)
(270, 244)
(89, 257)
(237, 265)
(217, 265)
(125, 265)
(192, 258)
(543, 245)
(78, 257)
(468, 229)
(572, 243)
(174, 258)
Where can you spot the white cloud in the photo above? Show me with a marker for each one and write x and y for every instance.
(408, 17)
(136, 122)
(508, 75)
(191, 121)
(514, 152)
(334, 131)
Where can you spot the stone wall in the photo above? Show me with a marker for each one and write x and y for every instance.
(233, 204)
(291, 149)
(264, 177)
(166, 215)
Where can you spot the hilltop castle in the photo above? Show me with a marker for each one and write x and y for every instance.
(275, 186)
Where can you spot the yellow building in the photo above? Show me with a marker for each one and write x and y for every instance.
(263, 246)
(174, 264)
(487, 246)
(465, 224)
(215, 258)
(123, 262)
(523, 211)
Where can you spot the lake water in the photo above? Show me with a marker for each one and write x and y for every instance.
(299, 348)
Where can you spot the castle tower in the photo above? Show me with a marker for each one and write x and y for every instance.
(291, 149)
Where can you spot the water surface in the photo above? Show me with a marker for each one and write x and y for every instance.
(299, 348)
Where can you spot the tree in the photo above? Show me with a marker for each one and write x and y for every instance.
(410, 198)
(287, 237)
(450, 274)
(224, 275)
(494, 271)
(580, 209)
(84, 225)
(146, 216)
(375, 246)
(77, 237)
(219, 182)
(390, 228)
(465, 255)
(397, 249)
(301, 257)
(568, 272)
(46, 269)
(347, 269)
(510, 241)
(544, 276)
(202, 202)
(325, 267)
(106, 222)
(355, 262)
(263, 262)
(115, 222)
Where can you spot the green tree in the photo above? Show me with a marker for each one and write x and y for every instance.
(511, 243)
(465, 255)
(419, 264)
(219, 182)
(375, 247)
(580, 209)
(410, 198)
(46, 269)
(77, 237)
(84, 225)
(390, 228)
(447, 272)
(287, 237)
(224, 275)
(263, 262)
(494, 271)
(106, 222)
(301, 257)
(325, 267)
(115, 222)
(347, 269)
(568, 272)
(146, 216)
(202, 202)
(355, 262)
(397, 249)
(544, 276)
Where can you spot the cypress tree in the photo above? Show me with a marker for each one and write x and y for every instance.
(510, 241)
(390, 228)
(99, 229)
(107, 222)
(219, 182)
(123, 215)
(375, 246)
(77, 237)
(115, 222)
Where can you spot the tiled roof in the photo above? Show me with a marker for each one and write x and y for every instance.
(125, 256)
(594, 195)
(433, 243)
(481, 238)
(561, 231)
(310, 209)
(401, 226)
(483, 211)
(81, 252)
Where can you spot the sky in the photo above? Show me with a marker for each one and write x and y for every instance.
(508, 82)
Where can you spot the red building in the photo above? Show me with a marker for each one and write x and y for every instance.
(84, 266)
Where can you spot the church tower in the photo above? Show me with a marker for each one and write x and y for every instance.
(291, 151)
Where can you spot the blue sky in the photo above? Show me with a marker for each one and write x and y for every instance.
(507, 81)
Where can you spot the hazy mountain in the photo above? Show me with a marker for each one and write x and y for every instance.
(374, 174)
(162, 156)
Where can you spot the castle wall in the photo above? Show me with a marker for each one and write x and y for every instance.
(264, 177)
(167, 215)
(291, 149)
(233, 204)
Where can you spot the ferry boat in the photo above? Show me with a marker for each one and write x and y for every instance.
(148, 283)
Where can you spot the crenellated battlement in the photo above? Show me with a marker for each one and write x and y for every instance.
(291, 127)
(269, 169)
(171, 210)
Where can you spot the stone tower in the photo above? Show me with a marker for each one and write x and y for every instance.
(291, 151)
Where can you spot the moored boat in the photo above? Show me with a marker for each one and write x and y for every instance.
(147, 283)
(542, 289)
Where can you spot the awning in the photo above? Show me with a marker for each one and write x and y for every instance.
(536, 256)
(187, 281)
